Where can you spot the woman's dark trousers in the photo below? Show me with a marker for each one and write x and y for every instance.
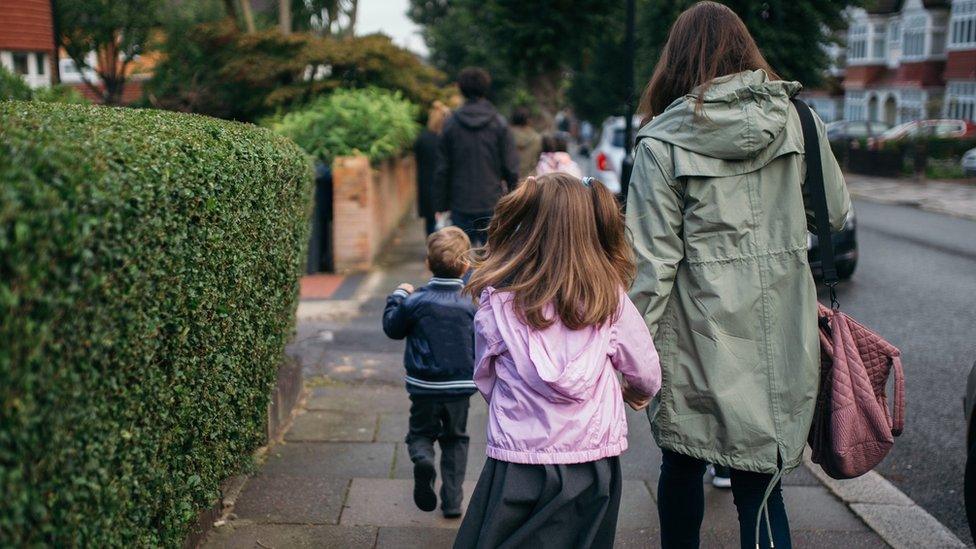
(681, 505)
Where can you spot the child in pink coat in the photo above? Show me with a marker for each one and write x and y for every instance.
(553, 330)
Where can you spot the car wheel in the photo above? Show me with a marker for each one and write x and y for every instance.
(846, 269)
(969, 487)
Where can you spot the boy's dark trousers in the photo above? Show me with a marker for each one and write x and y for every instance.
(444, 420)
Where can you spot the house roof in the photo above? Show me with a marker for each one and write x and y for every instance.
(26, 25)
(883, 7)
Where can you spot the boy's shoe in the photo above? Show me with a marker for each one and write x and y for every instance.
(423, 485)
(720, 476)
(452, 513)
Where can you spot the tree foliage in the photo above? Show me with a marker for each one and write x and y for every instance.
(214, 69)
(116, 30)
(580, 45)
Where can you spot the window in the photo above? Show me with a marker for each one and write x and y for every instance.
(41, 60)
(878, 42)
(857, 48)
(21, 65)
(854, 105)
(913, 38)
(894, 33)
(962, 25)
(961, 100)
(911, 105)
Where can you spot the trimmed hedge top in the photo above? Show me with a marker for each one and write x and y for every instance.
(149, 266)
(374, 122)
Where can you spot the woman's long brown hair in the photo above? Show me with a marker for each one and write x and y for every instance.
(557, 242)
(708, 40)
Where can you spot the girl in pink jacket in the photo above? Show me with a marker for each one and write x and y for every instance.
(553, 329)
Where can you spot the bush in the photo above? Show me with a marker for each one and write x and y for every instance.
(12, 86)
(214, 69)
(148, 281)
(373, 122)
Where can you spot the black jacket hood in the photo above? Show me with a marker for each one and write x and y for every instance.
(476, 114)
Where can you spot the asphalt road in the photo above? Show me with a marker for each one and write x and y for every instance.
(916, 286)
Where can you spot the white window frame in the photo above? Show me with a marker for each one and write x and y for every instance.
(960, 99)
(962, 26)
(857, 43)
(855, 105)
(915, 37)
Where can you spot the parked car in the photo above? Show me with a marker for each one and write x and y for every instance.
(969, 484)
(608, 154)
(849, 130)
(943, 127)
(969, 163)
(845, 249)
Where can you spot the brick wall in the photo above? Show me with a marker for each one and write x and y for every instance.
(369, 202)
(26, 25)
(961, 65)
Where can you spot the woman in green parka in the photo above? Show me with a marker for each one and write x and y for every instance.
(716, 209)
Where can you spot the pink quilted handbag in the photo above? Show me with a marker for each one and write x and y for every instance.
(853, 428)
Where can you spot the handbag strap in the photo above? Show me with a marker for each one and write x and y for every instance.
(814, 183)
(898, 421)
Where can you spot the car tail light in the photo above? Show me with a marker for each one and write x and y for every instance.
(601, 162)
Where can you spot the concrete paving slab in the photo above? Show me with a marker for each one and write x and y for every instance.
(415, 538)
(330, 426)
(389, 502)
(359, 366)
(330, 460)
(244, 535)
(342, 397)
(814, 508)
(848, 540)
(393, 426)
(906, 526)
(281, 499)
(640, 538)
(637, 509)
(869, 488)
(801, 476)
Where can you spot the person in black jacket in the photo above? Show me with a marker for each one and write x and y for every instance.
(438, 323)
(425, 151)
(478, 162)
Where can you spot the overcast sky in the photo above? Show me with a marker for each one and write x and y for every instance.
(390, 17)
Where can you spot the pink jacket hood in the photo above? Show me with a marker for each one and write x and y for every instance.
(553, 394)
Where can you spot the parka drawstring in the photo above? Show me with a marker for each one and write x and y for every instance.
(764, 508)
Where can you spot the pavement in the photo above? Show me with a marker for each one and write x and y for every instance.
(955, 198)
(342, 477)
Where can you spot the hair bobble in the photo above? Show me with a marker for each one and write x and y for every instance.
(587, 181)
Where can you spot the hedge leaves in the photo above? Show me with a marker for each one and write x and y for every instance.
(148, 278)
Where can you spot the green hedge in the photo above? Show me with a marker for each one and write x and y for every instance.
(374, 122)
(148, 279)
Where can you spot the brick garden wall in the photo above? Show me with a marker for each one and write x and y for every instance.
(369, 202)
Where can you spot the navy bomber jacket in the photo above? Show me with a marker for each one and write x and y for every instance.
(438, 324)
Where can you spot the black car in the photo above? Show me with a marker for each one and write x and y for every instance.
(845, 249)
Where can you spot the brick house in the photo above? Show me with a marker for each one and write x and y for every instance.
(911, 59)
(27, 40)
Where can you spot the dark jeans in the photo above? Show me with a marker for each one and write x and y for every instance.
(475, 225)
(444, 421)
(681, 505)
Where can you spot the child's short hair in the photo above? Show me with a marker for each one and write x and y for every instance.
(447, 252)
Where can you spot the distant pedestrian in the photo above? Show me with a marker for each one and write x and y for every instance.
(556, 158)
(436, 321)
(478, 161)
(528, 142)
(425, 152)
(719, 224)
(553, 328)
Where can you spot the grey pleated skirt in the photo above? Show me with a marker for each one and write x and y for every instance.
(543, 506)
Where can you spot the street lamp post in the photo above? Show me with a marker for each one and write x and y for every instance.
(628, 163)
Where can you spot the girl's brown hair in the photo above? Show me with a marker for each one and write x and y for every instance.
(708, 40)
(558, 242)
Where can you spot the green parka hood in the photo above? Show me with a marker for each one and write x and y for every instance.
(742, 118)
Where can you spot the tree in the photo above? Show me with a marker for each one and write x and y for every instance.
(549, 46)
(537, 42)
(115, 30)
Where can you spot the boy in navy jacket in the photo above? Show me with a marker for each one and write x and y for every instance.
(438, 323)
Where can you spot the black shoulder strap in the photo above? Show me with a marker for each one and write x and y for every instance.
(814, 183)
